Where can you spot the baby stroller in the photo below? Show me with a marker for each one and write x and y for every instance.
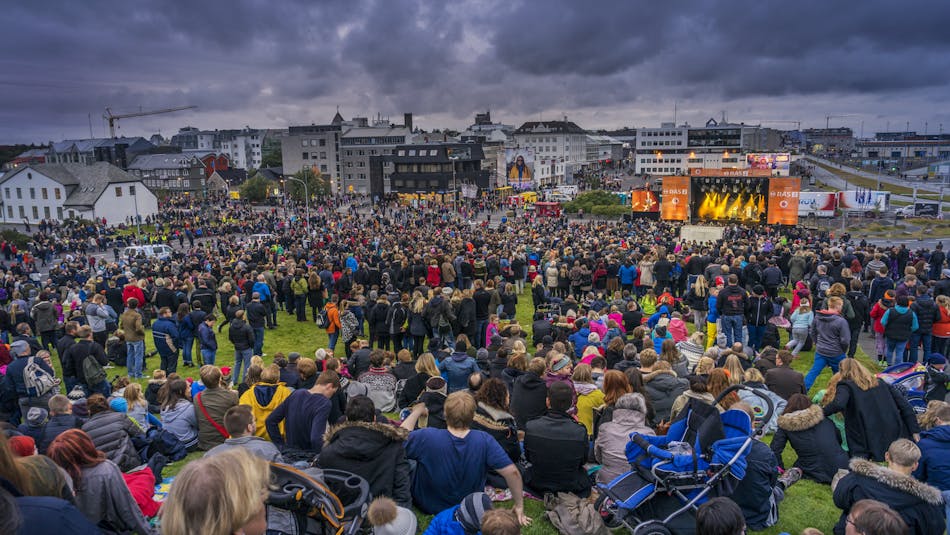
(911, 379)
(703, 455)
(316, 502)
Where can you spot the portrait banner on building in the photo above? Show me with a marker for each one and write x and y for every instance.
(783, 201)
(773, 161)
(519, 168)
(675, 200)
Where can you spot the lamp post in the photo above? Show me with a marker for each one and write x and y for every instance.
(306, 200)
(455, 184)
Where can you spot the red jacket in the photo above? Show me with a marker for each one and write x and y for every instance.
(131, 290)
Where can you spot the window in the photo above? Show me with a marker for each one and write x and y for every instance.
(306, 156)
(323, 155)
(400, 153)
(59, 212)
(46, 212)
(10, 212)
(323, 168)
(36, 213)
(44, 193)
(7, 192)
(433, 152)
(412, 152)
(32, 193)
(323, 142)
(303, 142)
(131, 190)
(118, 191)
(19, 193)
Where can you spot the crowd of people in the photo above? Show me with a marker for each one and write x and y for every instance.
(431, 388)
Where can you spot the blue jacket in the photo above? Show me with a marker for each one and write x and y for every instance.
(628, 274)
(162, 327)
(934, 465)
(457, 368)
(901, 310)
(444, 524)
(15, 373)
(206, 337)
(579, 339)
(713, 315)
(263, 289)
(662, 311)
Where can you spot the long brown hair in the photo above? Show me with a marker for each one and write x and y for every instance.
(615, 385)
(11, 470)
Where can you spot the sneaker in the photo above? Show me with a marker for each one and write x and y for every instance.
(790, 477)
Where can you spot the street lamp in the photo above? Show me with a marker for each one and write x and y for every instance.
(306, 200)
(455, 184)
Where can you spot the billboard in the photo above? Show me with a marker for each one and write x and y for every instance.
(732, 173)
(864, 200)
(773, 161)
(817, 203)
(675, 205)
(644, 200)
(783, 201)
(519, 168)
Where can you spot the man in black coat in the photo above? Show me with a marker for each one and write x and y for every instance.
(556, 446)
(373, 451)
(61, 419)
(919, 504)
(529, 394)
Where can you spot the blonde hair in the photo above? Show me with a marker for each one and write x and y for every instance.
(426, 364)
(583, 374)
(753, 375)
(209, 496)
(704, 366)
(734, 368)
(903, 452)
(270, 374)
(928, 419)
(459, 410)
(257, 359)
(133, 395)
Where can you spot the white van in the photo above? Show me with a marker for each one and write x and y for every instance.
(161, 252)
(260, 238)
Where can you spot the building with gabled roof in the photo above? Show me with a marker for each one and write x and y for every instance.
(96, 191)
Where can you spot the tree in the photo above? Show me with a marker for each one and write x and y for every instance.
(255, 189)
(273, 157)
(317, 185)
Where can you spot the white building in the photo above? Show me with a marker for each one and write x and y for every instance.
(74, 190)
(558, 146)
(359, 144)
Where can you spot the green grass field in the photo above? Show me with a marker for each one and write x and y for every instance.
(807, 504)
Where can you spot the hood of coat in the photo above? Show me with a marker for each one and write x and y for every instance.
(705, 397)
(895, 480)
(530, 381)
(364, 438)
(630, 418)
(801, 420)
(940, 433)
(583, 389)
(493, 418)
(460, 357)
(178, 410)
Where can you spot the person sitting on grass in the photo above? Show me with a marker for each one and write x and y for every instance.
(264, 396)
(240, 425)
(462, 519)
(303, 417)
(919, 504)
(720, 516)
(454, 462)
(934, 464)
(556, 446)
(814, 438)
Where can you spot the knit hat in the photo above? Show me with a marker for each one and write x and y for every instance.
(447, 292)
(293, 356)
(593, 338)
(481, 354)
(36, 416)
(470, 511)
(560, 364)
(23, 446)
(946, 273)
(119, 404)
(933, 359)
(404, 522)
(76, 394)
(496, 340)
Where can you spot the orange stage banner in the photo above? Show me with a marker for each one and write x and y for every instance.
(783, 201)
(675, 206)
(644, 200)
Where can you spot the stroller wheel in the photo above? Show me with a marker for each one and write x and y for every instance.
(609, 512)
(653, 527)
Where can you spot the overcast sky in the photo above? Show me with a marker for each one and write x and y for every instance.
(270, 64)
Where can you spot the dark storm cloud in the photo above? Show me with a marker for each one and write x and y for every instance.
(271, 64)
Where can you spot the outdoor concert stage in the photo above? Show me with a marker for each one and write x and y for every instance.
(748, 196)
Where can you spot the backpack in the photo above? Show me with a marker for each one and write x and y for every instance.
(38, 381)
(92, 370)
(824, 284)
(323, 320)
(572, 515)
(166, 443)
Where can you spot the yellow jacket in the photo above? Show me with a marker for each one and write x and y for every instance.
(587, 401)
(263, 398)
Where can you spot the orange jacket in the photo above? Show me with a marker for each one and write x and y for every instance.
(333, 314)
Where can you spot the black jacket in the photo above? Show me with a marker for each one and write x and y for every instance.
(873, 418)
(731, 301)
(377, 318)
(919, 504)
(758, 310)
(663, 387)
(55, 426)
(556, 446)
(501, 426)
(414, 386)
(753, 494)
(528, 398)
(256, 314)
(78, 353)
(816, 442)
(926, 310)
(372, 451)
(241, 335)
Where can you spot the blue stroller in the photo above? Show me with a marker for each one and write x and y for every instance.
(910, 378)
(703, 455)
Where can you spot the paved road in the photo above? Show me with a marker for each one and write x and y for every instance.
(922, 187)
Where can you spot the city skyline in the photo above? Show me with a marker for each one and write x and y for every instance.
(603, 65)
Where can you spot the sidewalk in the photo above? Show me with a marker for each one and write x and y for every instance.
(883, 177)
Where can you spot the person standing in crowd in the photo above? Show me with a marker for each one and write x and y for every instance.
(731, 305)
(130, 322)
(244, 339)
(89, 359)
(900, 324)
(166, 338)
(208, 342)
(297, 425)
(832, 339)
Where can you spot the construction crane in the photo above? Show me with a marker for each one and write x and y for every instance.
(828, 118)
(798, 124)
(112, 118)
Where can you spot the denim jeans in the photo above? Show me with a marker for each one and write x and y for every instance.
(242, 360)
(732, 329)
(755, 336)
(136, 357)
(187, 346)
(208, 356)
(481, 326)
(917, 340)
(447, 338)
(820, 362)
(258, 340)
(333, 338)
(894, 351)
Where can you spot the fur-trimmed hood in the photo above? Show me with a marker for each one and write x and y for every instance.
(492, 418)
(654, 374)
(895, 480)
(391, 432)
(801, 420)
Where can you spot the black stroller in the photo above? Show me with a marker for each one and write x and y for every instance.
(309, 502)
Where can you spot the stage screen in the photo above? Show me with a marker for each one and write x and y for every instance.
(783, 201)
(729, 199)
(519, 166)
(773, 161)
(644, 200)
(675, 206)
